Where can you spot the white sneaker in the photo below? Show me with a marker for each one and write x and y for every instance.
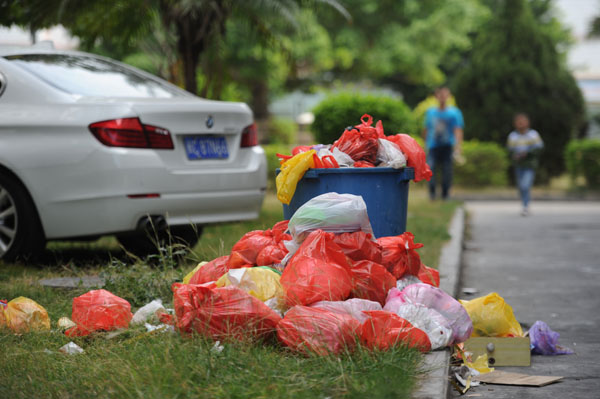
(525, 212)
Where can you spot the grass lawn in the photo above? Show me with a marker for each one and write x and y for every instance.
(149, 365)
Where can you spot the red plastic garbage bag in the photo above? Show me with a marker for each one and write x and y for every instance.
(226, 312)
(399, 254)
(99, 310)
(415, 155)
(307, 329)
(429, 275)
(371, 281)
(245, 251)
(278, 231)
(386, 329)
(212, 271)
(363, 164)
(359, 246)
(360, 143)
(271, 255)
(318, 271)
(300, 149)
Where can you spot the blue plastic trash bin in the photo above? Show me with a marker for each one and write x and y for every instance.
(384, 190)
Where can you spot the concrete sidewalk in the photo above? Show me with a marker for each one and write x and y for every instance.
(547, 267)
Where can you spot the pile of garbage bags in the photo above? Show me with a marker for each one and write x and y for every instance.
(329, 285)
(361, 146)
(321, 283)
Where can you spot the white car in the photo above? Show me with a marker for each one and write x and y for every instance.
(90, 146)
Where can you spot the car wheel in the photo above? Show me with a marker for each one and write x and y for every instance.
(21, 233)
(143, 244)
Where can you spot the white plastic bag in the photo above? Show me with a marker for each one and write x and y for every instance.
(389, 155)
(407, 280)
(344, 160)
(331, 212)
(147, 312)
(354, 307)
(436, 326)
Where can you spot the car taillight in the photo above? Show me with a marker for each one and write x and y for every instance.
(249, 136)
(131, 133)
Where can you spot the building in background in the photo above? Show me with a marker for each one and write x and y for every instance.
(584, 55)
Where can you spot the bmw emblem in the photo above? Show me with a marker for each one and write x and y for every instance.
(210, 122)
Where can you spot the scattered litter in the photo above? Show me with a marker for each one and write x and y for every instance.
(217, 347)
(505, 378)
(470, 291)
(65, 323)
(71, 349)
(99, 310)
(159, 328)
(148, 313)
(22, 315)
(544, 341)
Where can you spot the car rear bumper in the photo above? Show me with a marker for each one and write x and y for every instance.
(94, 199)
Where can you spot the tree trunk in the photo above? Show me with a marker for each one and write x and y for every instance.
(260, 99)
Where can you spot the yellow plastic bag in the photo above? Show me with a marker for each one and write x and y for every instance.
(188, 277)
(260, 282)
(292, 171)
(492, 317)
(24, 314)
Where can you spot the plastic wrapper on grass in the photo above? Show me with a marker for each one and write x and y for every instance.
(22, 315)
(221, 313)
(99, 310)
(307, 329)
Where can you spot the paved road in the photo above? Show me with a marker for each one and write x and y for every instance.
(547, 267)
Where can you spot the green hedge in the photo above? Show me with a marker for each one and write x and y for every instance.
(273, 161)
(337, 112)
(486, 164)
(583, 159)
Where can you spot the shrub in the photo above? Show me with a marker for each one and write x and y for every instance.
(583, 159)
(273, 161)
(486, 164)
(281, 131)
(337, 112)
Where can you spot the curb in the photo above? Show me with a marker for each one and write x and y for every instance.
(434, 383)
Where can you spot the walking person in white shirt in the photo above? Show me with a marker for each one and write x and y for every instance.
(525, 146)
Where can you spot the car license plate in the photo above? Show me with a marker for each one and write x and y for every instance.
(205, 147)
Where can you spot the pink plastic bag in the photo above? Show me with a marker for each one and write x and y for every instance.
(435, 298)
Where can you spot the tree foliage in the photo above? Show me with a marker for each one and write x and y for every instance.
(515, 67)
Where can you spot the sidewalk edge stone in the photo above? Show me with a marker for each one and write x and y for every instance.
(434, 383)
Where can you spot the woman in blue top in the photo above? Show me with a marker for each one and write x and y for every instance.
(525, 146)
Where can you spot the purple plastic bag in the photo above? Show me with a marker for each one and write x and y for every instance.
(544, 341)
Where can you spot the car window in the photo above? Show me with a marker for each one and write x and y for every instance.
(91, 76)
